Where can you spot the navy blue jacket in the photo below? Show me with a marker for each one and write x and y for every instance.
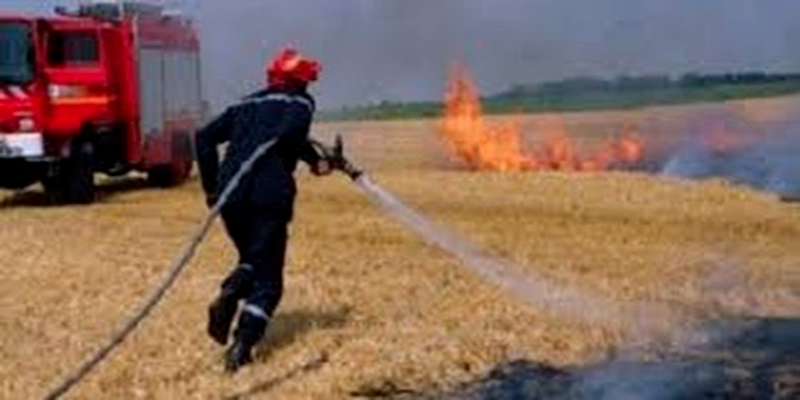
(258, 118)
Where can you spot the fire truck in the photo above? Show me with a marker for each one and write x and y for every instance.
(111, 87)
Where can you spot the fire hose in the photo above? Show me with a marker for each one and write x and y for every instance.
(508, 278)
(178, 265)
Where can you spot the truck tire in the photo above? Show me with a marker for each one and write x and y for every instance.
(19, 174)
(74, 181)
(179, 169)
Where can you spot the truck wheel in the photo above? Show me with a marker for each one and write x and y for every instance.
(24, 174)
(74, 182)
(179, 169)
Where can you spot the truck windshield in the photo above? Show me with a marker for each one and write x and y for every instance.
(73, 49)
(16, 53)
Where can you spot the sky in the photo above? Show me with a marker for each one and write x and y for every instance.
(374, 50)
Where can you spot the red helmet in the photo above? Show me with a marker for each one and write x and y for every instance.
(291, 66)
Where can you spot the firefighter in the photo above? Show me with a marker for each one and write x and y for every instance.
(258, 213)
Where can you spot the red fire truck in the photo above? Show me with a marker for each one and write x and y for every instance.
(111, 87)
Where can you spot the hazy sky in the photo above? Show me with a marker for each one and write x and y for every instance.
(401, 49)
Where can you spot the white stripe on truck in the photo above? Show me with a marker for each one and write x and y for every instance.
(17, 92)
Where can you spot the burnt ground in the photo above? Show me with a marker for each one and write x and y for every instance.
(749, 359)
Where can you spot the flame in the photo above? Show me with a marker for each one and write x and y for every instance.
(471, 139)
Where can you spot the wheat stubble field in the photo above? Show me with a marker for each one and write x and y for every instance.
(370, 309)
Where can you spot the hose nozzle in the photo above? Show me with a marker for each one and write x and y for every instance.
(335, 156)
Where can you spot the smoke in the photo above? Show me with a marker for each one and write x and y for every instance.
(371, 51)
(400, 49)
(735, 354)
(722, 144)
(750, 359)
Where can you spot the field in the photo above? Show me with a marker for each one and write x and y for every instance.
(370, 309)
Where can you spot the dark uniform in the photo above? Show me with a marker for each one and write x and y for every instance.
(258, 213)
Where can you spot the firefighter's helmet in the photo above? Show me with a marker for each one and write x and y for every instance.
(289, 66)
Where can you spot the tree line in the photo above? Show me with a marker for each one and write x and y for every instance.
(627, 83)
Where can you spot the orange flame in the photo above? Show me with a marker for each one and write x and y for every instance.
(500, 148)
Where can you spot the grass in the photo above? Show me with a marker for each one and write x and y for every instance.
(370, 308)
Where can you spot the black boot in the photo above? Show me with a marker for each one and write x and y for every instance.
(220, 316)
(239, 355)
(249, 331)
(223, 309)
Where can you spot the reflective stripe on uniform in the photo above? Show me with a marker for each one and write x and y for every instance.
(255, 311)
(281, 97)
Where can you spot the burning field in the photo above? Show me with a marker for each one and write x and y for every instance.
(748, 142)
(372, 311)
(480, 145)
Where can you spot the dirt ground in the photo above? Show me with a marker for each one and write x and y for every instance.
(370, 309)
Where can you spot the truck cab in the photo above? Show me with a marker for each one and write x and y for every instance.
(19, 109)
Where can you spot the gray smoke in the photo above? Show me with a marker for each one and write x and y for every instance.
(750, 359)
(736, 354)
(762, 155)
(400, 49)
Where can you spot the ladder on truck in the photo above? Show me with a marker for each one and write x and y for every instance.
(118, 10)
